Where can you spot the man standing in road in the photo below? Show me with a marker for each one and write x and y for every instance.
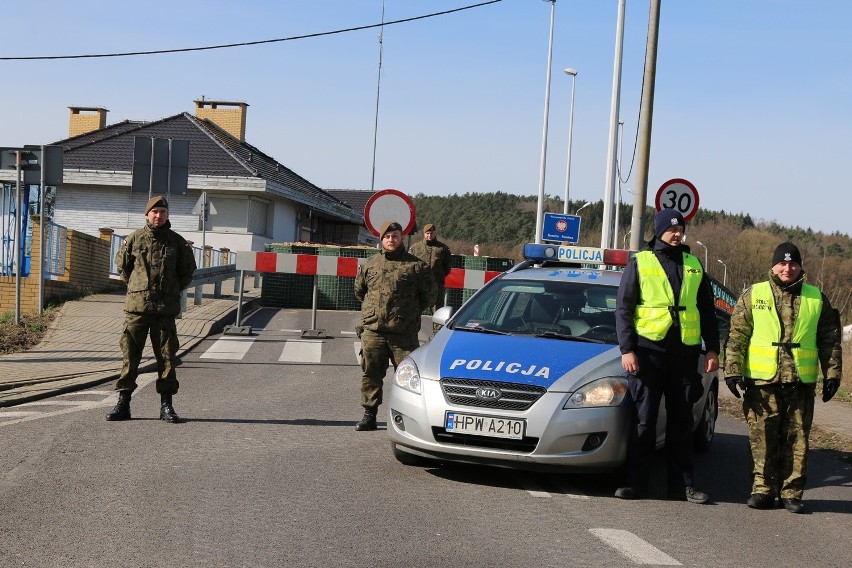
(394, 288)
(665, 307)
(784, 336)
(437, 255)
(156, 263)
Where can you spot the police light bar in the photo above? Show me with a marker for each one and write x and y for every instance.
(577, 255)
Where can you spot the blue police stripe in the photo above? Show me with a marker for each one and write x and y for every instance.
(527, 360)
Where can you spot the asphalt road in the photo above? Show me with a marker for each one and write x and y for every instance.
(269, 471)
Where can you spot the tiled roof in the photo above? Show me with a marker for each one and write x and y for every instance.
(212, 152)
(354, 198)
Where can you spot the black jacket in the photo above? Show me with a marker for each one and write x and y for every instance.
(671, 259)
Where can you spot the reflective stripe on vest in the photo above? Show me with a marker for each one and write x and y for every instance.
(653, 316)
(761, 361)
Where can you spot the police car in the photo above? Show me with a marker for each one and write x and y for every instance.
(527, 373)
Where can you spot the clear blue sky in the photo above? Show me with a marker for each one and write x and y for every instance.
(751, 103)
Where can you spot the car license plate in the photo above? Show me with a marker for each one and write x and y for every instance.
(493, 426)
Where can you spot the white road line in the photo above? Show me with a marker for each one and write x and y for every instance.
(52, 402)
(357, 346)
(78, 393)
(229, 347)
(533, 488)
(634, 547)
(292, 330)
(302, 351)
(77, 406)
(567, 489)
(348, 333)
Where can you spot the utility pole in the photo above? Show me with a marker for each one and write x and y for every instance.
(646, 115)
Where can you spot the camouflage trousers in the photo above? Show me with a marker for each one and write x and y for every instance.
(164, 343)
(779, 424)
(378, 351)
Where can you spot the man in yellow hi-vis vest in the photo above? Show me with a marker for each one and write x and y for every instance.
(784, 337)
(665, 307)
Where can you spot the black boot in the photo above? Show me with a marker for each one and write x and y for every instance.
(122, 407)
(167, 411)
(368, 422)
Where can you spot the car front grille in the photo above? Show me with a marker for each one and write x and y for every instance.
(525, 445)
(513, 396)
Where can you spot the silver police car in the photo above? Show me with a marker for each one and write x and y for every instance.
(527, 374)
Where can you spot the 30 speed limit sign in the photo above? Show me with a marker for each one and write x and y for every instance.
(678, 194)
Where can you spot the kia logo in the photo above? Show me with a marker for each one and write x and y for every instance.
(486, 393)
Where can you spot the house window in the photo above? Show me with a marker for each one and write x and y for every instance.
(240, 215)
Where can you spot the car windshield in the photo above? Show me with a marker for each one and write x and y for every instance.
(553, 309)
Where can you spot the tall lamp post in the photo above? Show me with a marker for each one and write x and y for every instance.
(539, 216)
(725, 277)
(573, 74)
(705, 253)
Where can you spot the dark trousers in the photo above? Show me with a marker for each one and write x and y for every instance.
(164, 343)
(675, 375)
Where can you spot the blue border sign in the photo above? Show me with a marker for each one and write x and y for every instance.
(561, 228)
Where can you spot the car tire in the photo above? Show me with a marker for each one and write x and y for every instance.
(706, 429)
(410, 459)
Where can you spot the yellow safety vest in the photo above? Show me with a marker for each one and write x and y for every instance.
(653, 316)
(761, 361)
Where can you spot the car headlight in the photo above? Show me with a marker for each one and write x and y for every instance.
(407, 376)
(608, 391)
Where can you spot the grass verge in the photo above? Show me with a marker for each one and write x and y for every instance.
(26, 334)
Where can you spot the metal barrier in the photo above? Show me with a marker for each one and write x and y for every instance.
(55, 250)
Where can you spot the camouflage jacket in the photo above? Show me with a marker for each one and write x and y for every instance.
(437, 255)
(394, 289)
(787, 299)
(156, 264)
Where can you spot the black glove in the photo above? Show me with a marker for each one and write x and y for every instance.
(829, 388)
(733, 382)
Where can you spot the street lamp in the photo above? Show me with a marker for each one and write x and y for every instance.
(573, 74)
(582, 207)
(725, 277)
(539, 217)
(705, 253)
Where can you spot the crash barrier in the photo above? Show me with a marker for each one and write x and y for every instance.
(336, 290)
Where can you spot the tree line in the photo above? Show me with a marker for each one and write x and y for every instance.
(500, 223)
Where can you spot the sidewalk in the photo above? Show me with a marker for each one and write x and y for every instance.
(81, 347)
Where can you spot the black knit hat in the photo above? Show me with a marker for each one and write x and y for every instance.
(787, 252)
(666, 218)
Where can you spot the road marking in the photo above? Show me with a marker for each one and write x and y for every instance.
(228, 347)
(567, 489)
(531, 487)
(357, 346)
(348, 333)
(70, 406)
(302, 351)
(634, 547)
(292, 330)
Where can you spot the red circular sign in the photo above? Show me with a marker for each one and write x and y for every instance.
(389, 205)
(678, 194)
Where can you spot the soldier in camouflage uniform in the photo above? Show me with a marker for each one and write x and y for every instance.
(437, 255)
(394, 288)
(156, 263)
(783, 332)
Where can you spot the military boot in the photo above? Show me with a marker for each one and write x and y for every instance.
(167, 411)
(368, 422)
(122, 407)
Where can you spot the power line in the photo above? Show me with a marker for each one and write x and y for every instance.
(246, 43)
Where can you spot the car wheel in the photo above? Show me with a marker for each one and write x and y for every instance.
(706, 429)
(409, 459)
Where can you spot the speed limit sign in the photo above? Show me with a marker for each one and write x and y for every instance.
(678, 194)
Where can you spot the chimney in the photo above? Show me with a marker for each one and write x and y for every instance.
(86, 119)
(229, 116)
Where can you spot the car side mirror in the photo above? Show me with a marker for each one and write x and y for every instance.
(441, 315)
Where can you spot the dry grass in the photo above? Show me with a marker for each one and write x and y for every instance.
(26, 334)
